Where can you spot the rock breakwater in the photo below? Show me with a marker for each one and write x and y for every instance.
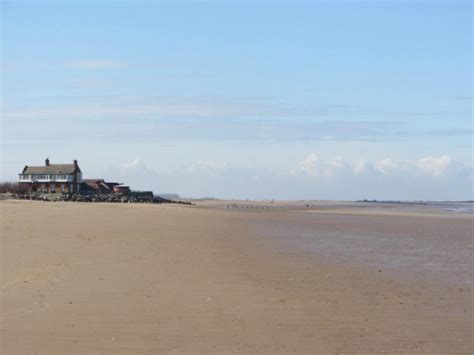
(110, 198)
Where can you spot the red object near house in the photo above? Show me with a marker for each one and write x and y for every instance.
(122, 189)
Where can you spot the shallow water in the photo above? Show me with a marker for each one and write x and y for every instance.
(460, 208)
(436, 249)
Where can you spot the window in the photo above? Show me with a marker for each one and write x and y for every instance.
(53, 188)
(62, 188)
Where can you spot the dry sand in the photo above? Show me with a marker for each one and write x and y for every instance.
(147, 279)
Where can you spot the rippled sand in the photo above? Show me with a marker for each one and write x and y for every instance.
(224, 277)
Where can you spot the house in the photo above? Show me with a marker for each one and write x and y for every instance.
(51, 178)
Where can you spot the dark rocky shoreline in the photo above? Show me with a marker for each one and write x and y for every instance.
(109, 198)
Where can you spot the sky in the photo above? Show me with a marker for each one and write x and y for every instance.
(244, 99)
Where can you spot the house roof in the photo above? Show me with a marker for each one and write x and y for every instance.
(96, 183)
(93, 181)
(51, 169)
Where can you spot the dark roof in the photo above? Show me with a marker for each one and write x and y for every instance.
(51, 169)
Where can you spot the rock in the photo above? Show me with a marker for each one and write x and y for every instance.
(134, 197)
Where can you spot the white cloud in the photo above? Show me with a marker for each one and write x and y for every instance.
(435, 166)
(134, 164)
(337, 163)
(315, 166)
(309, 165)
(385, 166)
(361, 167)
(96, 64)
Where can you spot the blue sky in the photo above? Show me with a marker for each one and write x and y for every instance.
(330, 100)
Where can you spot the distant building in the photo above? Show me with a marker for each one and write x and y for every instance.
(51, 178)
(65, 178)
(97, 186)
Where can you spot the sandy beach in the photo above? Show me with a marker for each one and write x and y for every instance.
(262, 278)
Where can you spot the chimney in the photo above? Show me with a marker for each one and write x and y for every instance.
(46, 162)
(75, 163)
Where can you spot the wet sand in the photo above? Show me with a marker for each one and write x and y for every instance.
(147, 279)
